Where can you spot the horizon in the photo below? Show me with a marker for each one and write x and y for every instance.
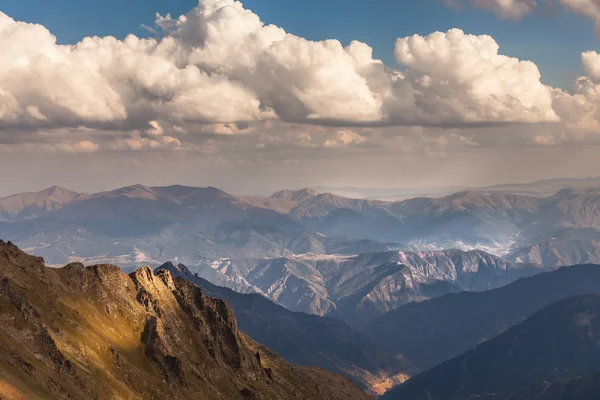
(322, 189)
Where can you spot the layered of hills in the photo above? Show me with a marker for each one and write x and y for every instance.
(557, 343)
(555, 252)
(355, 288)
(304, 339)
(137, 224)
(97, 333)
(436, 330)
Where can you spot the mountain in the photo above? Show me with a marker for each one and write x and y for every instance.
(560, 252)
(95, 332)
(355, 288)
(30, 205)
(558, 342)
(304, 339)
(446, 326)
(138, 225)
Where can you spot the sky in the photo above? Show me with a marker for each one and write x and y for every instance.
(260, 95)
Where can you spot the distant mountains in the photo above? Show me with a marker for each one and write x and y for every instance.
(355, 288)
(433, 331)
(314, 252)
(96, 333)
(559, 342)
(139, 225)
(304, 339)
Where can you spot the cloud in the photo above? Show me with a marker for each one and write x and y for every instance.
(517, 9)
(462, 77)
(514, 9)
(220, 65)
(344, 138)
(579, 109)
(587, 8)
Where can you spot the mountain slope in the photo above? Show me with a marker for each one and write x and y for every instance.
(558, 342)
(354, 288)
(586, 388)
(304, 339)
(560, 252)
(446, 326)
(97, 333)
(30, 205)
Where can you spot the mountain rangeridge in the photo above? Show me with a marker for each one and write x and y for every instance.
(138, 225)
(97, 333)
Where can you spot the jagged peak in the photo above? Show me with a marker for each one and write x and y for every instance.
(145, 278)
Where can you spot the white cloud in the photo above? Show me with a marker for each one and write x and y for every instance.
(219, 64)
(460, 77)
(514, 9)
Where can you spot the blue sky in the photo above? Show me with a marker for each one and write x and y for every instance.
(554, 42)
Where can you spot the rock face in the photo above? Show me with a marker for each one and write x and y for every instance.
(445, 327)
(304, 339)
(556, 343)
(96, 333)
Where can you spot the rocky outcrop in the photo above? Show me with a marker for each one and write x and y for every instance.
(96, 333)
(304, 339)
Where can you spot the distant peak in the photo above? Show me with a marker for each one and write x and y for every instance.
(295, 195)
(175, 270)
(58, 190)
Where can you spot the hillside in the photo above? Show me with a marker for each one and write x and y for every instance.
(95, 332)
(558, 342)
(304, 339)
(446, 326)
(358, 287)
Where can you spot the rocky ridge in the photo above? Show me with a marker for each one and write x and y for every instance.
(97, 333)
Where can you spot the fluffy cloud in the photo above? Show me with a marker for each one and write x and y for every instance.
(220, 64)
(460, 77)
(580, 108)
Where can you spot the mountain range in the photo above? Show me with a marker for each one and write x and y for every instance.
(314, 252)
(304, 339)
(433, 331)
(97, 333)
(138, 225)
(355, 288)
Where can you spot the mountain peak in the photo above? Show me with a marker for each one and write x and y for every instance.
(294, 195)
(175, 270)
